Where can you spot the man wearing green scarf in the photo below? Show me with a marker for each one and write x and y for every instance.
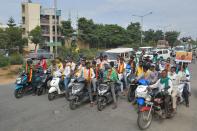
(163, 83)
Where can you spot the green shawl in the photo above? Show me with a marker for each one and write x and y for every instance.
(165, 81)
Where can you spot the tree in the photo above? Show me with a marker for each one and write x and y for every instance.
(171, 37)
(134, 33)
(66, 29)
(11, 22)
(36, 36)
(158, 35)
(3, 39)
(11, 38)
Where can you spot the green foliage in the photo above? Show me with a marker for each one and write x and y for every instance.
(66, 29)
(171, 37)
(69, 52)
(36, 36)
(11, 37)
(4, 61)
(11, 22)
(89, 53)
(16, 59)
(134, 33)
(102, 36)
(3, 39)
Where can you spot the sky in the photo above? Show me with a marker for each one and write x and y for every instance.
(179, 15)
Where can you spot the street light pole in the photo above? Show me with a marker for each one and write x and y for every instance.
(142, 22)
(164, 30)
(55, 11)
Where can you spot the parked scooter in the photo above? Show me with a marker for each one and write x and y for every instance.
(56, 86)
(79, 93)
(104, 94)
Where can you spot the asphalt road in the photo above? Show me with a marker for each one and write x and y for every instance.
(33, 113)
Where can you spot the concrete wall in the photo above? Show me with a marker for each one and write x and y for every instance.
(32, 19)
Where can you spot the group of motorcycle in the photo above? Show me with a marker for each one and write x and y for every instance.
(76, 93)
(149, 103)
(41, 82)
(153, 103)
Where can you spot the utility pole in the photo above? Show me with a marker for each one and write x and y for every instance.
(55, 11)
(142, 22)
(164, 31)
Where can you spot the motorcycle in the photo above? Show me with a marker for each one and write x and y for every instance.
(104, 96)
(156, 104)
(79, 93)
(22, 86)
(141, 93)
(56, 86)
(183, 92)
(44, 84)
(133, 86)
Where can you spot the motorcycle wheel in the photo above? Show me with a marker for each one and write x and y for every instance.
(131, 95)
(67, 95)
(100, 104)
(72, 105)
(51, 96)
(39, 91)
(18, 93)
(142, 120)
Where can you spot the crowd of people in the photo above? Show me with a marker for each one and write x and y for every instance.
(158, 72)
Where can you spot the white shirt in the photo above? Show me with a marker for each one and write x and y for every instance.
(162, 86)
(174, 78)
(73, 66)
(67, 71)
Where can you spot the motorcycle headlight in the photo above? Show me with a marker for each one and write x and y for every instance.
(103, 89)
(18, 81)
(77, 88)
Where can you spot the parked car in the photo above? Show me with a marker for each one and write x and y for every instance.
(40, 53)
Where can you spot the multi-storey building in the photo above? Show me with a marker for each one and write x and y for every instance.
(34, 15)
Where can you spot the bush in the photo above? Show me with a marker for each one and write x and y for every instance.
(16, 59)
(4, 61)
(89, 53)
(65, 52)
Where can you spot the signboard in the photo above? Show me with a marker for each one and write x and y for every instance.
(184, 57)
(54, 43)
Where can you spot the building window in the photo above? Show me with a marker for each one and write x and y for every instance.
(23, 8)
(23, 20)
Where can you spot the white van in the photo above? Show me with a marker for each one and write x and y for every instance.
(147, 50)
(123, 52)
(165, 53)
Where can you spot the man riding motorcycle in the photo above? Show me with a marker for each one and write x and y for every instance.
(173, 76)
(88, 74)
(184, 75)
(164, 83)
(111, 74)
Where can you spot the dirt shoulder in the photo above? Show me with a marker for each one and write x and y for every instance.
(8, 74)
